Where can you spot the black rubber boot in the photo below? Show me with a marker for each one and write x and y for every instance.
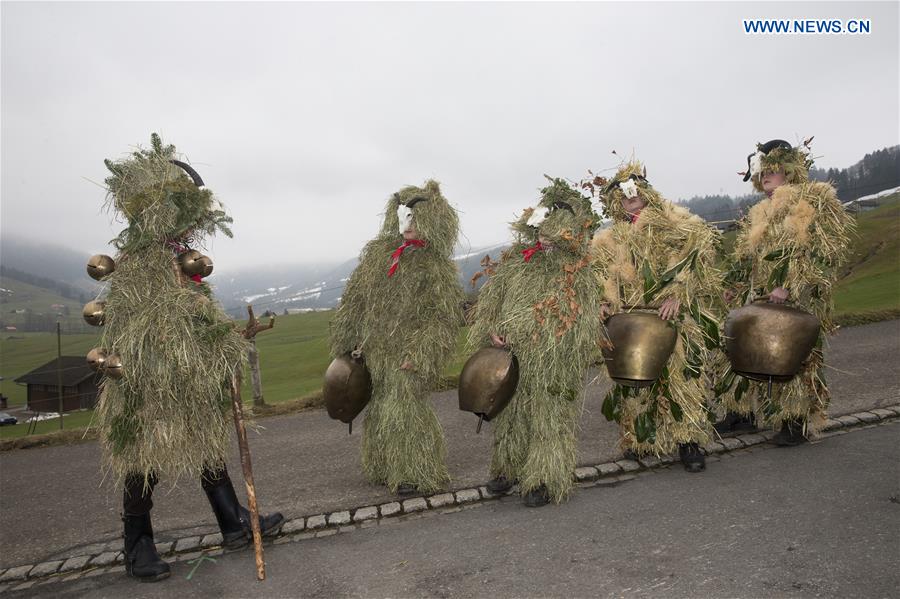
(142, 561)
(791, 434)
(692, 457)
(234, 519)
(536, 497)
(500, 485)
(734, 423)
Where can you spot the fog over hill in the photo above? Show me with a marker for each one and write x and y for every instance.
(276, 288)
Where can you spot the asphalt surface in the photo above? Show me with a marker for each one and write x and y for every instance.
(54, 502)
(811, 521)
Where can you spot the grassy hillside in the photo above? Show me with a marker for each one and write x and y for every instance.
(871, 282)
(17, 296)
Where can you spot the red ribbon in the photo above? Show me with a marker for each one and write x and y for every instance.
(529, 252)
(632, 218)
(395, 257)
(178, 248)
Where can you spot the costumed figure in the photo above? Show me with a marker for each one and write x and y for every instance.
(659, 258)
(541, 302)
(401, 312)
(168, 351)
(788, 249)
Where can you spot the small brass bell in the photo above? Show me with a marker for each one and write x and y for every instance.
(114, 368)
(96, 359)
(207, 265)
(94, 312)
(100, 266)
(194, 263)
(190, 262)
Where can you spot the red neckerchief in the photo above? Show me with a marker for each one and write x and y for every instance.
(632, 218)
(530, 252)
(395, 257)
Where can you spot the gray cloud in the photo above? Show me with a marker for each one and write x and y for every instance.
(303, 118)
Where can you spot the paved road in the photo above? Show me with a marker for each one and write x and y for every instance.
(817, 520)
(53, 501)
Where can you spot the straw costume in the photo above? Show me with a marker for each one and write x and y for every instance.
(542, 302)
(168, 414)
(402, 309)
(660, 252)
(794, 239)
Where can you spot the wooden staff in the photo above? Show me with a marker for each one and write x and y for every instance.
(248, 473)
(250, 331)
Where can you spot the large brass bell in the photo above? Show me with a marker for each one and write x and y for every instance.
(769, 342)
(100, 266)
(347, 388)
(96, 359)
(194, 263)
(94, 313)
(114, 368)
(642, 343)
(488, 382)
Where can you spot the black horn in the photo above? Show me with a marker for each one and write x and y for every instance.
(190, 171)
(415, 201)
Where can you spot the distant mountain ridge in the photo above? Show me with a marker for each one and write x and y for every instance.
(61, 272)
(311, 292)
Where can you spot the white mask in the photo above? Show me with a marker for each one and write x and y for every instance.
(629, 188)
(404, 215)
(756, 164)
(537, 216)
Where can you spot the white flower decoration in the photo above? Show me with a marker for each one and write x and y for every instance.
(538, 216)
(756, 163)
(404, 215)
(629, 188)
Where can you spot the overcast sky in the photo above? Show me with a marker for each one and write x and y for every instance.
(303, 118)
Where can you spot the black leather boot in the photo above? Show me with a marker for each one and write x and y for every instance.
(142, 561)
(500, 485)
(692, 457)
(536, 497)
(791, 433)
(234, 519)
(734, 423)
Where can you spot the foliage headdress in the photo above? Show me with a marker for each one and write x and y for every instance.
(162, 198)
(779, 156)
(629, 181)
(563, 216)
